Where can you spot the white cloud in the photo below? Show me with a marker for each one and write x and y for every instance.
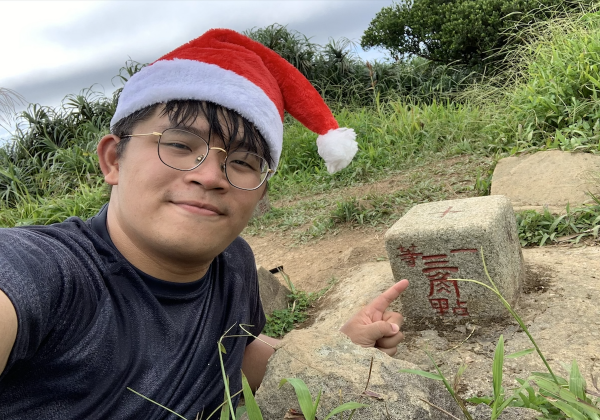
(49, 46)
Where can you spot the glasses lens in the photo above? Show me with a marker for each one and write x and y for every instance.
(246, 170)
(181, 149)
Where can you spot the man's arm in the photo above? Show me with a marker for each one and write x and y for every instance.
(255, 360)
(8, 329)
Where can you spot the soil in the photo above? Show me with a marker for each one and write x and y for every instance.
(559, 304)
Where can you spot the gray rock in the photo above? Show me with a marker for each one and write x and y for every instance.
(328, 361)
(549, 179)
(273, 294)
(262, 207)
(437, 242)
(484, 412)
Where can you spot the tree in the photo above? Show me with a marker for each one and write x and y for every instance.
(469, 32)
(295, 47)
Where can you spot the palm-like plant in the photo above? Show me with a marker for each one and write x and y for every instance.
(9, 99)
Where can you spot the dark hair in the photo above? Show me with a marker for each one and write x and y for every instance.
(223, 122)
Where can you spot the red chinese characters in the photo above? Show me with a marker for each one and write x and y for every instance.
(444, 294)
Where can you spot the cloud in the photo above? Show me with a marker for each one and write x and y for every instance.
(68, 46)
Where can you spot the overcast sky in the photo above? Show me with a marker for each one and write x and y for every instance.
(51, 48)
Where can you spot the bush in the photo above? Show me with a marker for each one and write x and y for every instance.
(558, 83)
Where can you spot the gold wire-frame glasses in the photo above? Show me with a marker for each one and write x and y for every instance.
(183, 150)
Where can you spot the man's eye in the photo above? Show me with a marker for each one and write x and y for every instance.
(178, 146)
(242, 163)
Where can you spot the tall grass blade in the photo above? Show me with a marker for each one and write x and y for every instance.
(154, 402)
(251, 405)
(497, 378)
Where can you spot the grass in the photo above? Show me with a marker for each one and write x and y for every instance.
(374, 204)
(282, 321)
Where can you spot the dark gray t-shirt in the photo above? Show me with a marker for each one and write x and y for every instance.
(91, 325)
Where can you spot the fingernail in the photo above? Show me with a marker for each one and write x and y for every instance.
(395, 328)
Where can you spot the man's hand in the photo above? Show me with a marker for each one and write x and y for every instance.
(373, 326)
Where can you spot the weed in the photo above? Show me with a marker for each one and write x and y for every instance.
(283, 321)
(541, 228)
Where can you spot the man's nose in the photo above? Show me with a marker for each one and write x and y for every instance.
(211, 172)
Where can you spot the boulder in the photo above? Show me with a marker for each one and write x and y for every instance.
(273, 294)
(328, 361)
(550, 179)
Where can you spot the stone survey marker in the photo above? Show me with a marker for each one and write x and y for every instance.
(437, 242)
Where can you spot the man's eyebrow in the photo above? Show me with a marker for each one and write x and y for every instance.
(202, 133)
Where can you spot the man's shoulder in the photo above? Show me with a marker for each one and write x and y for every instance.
(71, 230)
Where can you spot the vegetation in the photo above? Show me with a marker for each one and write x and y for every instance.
(471, 33)
(282, 321)
(346, 81)
(411, 118)
(9, 99)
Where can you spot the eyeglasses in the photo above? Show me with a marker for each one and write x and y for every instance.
(185, 151)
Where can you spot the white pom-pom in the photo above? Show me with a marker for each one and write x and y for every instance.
(337, 147)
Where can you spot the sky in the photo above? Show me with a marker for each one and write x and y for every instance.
(53, 48)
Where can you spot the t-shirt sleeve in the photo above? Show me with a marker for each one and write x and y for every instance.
(35, 274)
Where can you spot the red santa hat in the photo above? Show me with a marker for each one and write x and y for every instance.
(232, 70)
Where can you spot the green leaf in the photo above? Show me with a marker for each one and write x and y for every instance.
(576, 382)
(222, 348)
(571, 412)
(303, 395)
(345, 407)
(422, 373)
(519, 353)
(480, 400)
(497, 370)
(251, 405)
(544, 375)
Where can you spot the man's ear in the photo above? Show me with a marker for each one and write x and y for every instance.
(107, 156)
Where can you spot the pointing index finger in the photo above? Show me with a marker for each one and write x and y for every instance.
(381, 302)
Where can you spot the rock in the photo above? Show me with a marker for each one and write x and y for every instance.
(484, 412)
(262, 207)
(349, 295)
(549, 179)
(437, 242)
(327, 360)
(273, 294)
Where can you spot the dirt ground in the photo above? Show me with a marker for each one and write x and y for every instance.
(311, 266)
(559, 304)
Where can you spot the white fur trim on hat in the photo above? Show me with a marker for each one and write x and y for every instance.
(189, 79)
(337, 147)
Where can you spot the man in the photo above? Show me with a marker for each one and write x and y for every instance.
(139, 295)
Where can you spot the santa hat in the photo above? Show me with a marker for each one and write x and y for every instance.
(231, 70)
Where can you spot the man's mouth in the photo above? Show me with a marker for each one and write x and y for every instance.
(199, 208)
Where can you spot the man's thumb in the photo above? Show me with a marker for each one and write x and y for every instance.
(387, 329)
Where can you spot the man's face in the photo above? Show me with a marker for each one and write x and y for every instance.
(174, 218)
